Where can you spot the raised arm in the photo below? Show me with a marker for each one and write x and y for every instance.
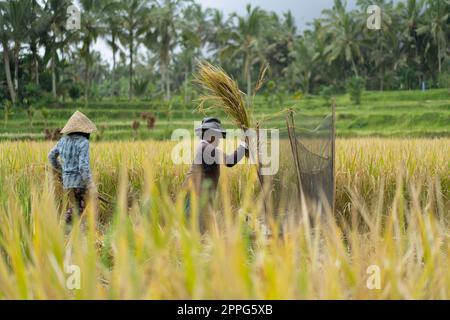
(233, 159)
(53, 158)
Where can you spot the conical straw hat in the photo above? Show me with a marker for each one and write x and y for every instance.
(78, 122)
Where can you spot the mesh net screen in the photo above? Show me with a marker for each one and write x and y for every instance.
(312, 141)
(306, 159)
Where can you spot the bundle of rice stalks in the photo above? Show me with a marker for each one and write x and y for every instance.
(222, 92)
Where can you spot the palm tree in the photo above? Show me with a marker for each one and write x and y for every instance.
(219, 35)
(380, 44)
(280, 37)
(246, 39)
(289, 28)
(36, 33)
(436, 27)
(410, 13)
(303, 70)
(163, 36)
(133, 15)
(55, 17)
(343, 35)
(194, 31)
(91, 29)
(5, 36)
(18, 14)
(112, 21)
(194, 34)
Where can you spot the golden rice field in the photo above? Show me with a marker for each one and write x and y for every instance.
(392, 212)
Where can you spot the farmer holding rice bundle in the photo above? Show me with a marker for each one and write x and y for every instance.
(221, 93)
(203, 176)
(73, 151)
(208, 158)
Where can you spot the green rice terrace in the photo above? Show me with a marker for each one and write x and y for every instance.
(384, 114)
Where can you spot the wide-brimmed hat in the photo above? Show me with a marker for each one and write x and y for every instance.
(212, 125)
(78, 122)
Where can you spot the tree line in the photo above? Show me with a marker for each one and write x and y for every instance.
(155, 45)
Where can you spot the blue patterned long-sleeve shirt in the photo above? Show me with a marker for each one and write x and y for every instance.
(73, 151)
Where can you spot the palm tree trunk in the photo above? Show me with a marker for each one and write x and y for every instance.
(168, 94)
(355, 70)
(165, 62)
(12, 93)
(163, 75)
(86, 84)
(382, 79)
(439, 56)
(86, 77)
(53, 66)
(34, 62)
(130, 92)
(53, 80)
(16, 67)
(113, 77)
(307, 83)
(416, 49)
(381, 70)
(61, 77)
(36, 69)
(186, 72)
(165, 84)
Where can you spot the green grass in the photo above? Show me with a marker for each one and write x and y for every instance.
(384, 114)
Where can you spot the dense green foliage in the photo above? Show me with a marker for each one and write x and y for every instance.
(155, 45)
(355, 87)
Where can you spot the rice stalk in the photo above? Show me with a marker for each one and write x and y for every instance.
(222, 93)
(149, 251)
(261, 78)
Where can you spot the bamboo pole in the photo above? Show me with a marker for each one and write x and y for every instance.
(293, 142)
(258, 169)
(333, 154)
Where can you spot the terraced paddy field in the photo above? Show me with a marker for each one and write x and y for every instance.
(387, 114)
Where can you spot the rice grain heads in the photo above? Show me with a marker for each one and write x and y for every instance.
(222, 92)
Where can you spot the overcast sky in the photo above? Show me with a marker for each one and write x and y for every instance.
(304, 11)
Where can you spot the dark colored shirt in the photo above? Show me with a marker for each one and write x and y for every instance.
(206, 167)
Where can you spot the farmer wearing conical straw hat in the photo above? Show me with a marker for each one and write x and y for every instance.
(203, 176)
(74, 163)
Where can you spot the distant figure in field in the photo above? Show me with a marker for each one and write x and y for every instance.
(74, 164)
(203, 176)
(424, 86)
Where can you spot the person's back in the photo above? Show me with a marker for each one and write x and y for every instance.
(73, 151)
(70, 157)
